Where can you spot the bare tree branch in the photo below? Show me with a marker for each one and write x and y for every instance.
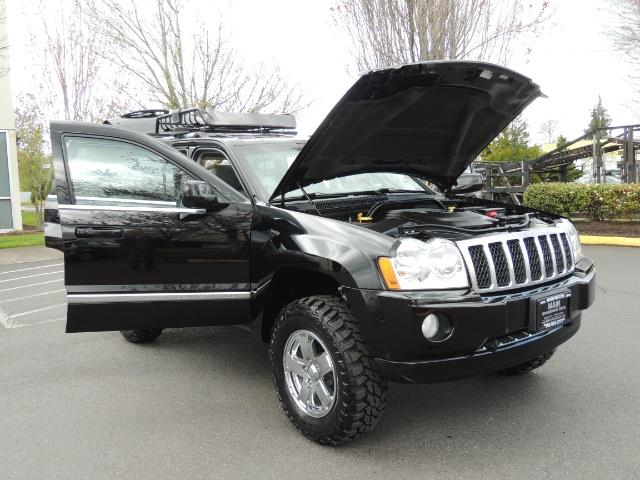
(626, 37)
(549, 128)
(389, 32)
(179, 70)
(4, 42)
(70, 80)
(3, 18)
(73, 64)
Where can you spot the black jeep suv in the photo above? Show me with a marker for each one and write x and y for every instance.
(354, 271)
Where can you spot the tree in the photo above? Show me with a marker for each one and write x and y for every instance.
(548, 128)
(73, 61)
(561, 141)
(33, 164)
(626, 35)
(512, 145)
(599, 117)
(147, 41)
(4, 43)
(391, 32)
(3, 18)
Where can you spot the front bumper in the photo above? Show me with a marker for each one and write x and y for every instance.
(513, 352)
(490, 332)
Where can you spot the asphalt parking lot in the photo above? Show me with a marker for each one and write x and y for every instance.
(199, 403)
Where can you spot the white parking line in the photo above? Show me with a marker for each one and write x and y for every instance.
(32, 285)
(33, 268)
(7, 322)
(21, 325)
(21, 314)
(26, 297)
(31, 276)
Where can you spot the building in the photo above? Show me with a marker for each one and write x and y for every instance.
(10, 214)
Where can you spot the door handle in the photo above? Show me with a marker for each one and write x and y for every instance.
(92, 232)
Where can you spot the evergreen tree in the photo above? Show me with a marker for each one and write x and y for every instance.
(561, 141)
(599, 118)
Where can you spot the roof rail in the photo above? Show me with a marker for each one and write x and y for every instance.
(182, 121)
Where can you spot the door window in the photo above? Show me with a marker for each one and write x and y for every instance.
(219, 165)
(111, 171)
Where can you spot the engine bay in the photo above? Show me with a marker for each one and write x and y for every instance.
(452, 218)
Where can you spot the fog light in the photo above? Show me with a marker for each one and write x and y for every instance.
(430, 326)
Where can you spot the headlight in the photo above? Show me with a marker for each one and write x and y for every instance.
(430, 265)
(574, 239)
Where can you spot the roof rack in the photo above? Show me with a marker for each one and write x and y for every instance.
(189, 119)
(146, 113)
(163, 122)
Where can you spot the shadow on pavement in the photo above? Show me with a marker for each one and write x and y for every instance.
(462, 413)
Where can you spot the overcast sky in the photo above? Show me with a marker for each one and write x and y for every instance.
(573, 60)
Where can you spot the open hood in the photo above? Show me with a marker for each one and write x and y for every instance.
(426, 119)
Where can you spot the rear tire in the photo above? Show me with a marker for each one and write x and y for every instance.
(141, 336)
(330, 399)
(529, 366)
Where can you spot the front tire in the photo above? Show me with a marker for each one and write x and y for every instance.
(529, 366)
(141, 336)
(323, 373)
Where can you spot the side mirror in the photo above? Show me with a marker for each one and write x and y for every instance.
(196, 194)
(468, 183)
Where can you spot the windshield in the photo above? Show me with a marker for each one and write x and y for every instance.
(270, 161)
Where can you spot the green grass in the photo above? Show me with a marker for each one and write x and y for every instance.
(29, 218)
(24, 239)
(21, 240)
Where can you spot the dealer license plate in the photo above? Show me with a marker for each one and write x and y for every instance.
(553, 310)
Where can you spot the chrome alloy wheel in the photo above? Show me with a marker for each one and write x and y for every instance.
(309, 373)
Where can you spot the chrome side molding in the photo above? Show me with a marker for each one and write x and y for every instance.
(94, 298)
(119, 208)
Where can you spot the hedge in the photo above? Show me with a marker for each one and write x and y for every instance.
(599, 201)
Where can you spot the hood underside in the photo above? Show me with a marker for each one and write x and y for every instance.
(426, 119)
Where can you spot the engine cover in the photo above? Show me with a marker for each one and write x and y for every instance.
(389, 221)
(459, 219)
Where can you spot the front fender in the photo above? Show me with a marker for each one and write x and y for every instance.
(346, 252)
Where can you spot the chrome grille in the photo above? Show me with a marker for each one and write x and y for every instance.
(566, 249)
(480, 266)
(517, 259)
(556, 250)
(546, 255)
(499, 263)
(534, 258)
(519, 272)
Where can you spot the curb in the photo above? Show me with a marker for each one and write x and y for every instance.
(612, 241)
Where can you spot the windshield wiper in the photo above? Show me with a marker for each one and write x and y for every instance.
(379, 191)
(313, 196)
(399, 190)
(384, 191)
